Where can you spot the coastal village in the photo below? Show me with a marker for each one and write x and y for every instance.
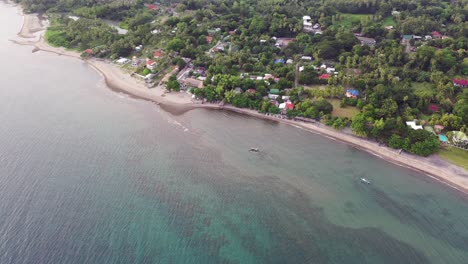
(378, 76)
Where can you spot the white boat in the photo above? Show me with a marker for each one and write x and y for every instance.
(364, 180)
(254, 150)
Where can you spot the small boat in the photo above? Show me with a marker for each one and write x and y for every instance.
(254, 150)
(364, 180)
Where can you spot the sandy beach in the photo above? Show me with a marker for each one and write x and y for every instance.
(436, 168)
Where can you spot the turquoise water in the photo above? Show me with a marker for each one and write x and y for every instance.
(88, 175)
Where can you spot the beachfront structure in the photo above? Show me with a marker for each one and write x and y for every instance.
(413, 125)
(286, 106)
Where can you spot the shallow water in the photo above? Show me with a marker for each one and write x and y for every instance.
(88, 175)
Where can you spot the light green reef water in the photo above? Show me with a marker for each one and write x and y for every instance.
(88, 175)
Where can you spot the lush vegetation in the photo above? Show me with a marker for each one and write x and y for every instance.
(396, 83)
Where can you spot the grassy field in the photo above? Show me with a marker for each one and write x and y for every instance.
(455, 155)
(347, 20)
(388, 21)
(348, 111)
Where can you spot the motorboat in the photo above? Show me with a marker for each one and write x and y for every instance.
(254, 150)
(366, 181)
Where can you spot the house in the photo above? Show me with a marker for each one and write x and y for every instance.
(459, 138)
(274, 102)
(283, 42)
(123, 61)
(152, 7)
(405, 39)
(388, 27)
(279, 61)
(250, 91)
(263, 41)
(268, 76)
(307, 24)
(158, 54)
(139, 47)
(460, 82)
(150, 64)
(352, 93)
(309, 58)
(330, 70)
(238, 90)
(433, 108)
(136, 61)
(413, 125)
(396, 13)
(428, 37)
(289, 61)
(286, 106)
(285, 97)
(274, 91)
(190, 82)
(273, 96)
(209, 39)
(324, 76)
(316, 26)
(366, 41)
(436, 35)
(438, 128)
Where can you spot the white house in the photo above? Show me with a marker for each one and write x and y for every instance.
(123, 61)
(306, 22)
(273, 96)
(150, 64)
(306, 58)
(413, 125)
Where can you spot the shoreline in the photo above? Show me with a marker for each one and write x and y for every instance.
(179, 103)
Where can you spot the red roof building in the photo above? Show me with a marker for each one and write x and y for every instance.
(289, 105)
(433, 108)
(153, 7)
(251, 91)
(436, 35)
(157, 54)
(209, 39)
(324, 76)
(89, 51)
(460, 82)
